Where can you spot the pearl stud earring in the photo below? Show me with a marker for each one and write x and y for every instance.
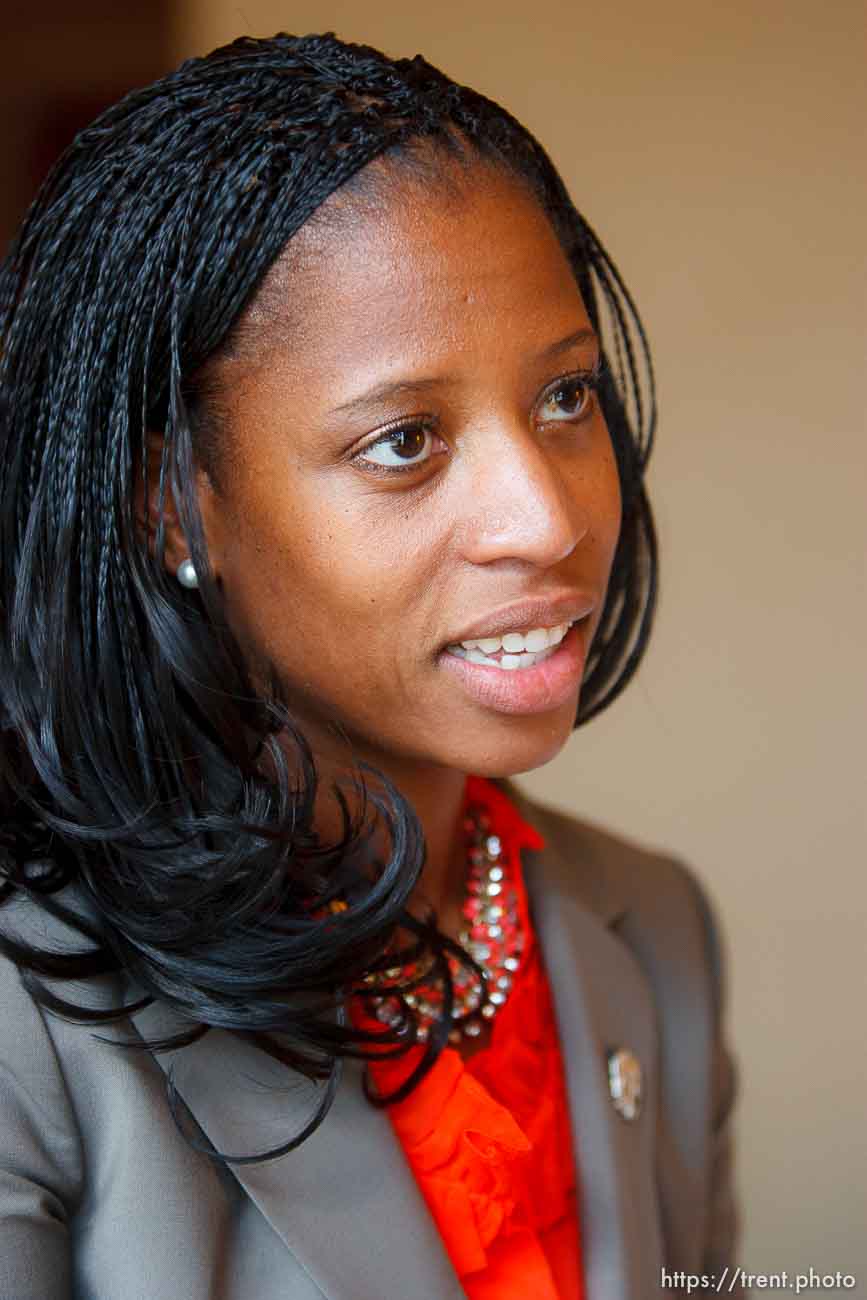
(187, 575)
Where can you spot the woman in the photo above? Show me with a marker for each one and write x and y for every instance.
(325, 423)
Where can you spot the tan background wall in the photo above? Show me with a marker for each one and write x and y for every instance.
(718, 149)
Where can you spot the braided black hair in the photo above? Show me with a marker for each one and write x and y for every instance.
(133, 745)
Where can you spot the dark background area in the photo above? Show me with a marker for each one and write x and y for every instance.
(60, 65)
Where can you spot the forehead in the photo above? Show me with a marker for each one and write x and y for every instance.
(416, 268)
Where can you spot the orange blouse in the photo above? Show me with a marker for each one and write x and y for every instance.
(489, 1140)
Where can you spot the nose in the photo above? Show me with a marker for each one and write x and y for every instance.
(522, 502)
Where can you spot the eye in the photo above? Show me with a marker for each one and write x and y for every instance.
(402, 448)
(569, 398)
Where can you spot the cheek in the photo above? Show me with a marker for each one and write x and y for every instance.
(604, 501)
(615, 499)
(315, 593)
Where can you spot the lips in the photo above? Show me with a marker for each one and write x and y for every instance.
(563, 606)
(546, 685)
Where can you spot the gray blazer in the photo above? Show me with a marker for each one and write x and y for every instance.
(101, 1198)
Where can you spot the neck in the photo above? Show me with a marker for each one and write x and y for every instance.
(436, 794)
(443, 880)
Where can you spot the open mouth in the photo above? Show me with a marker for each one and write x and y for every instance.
(512, 653)
(533, 681)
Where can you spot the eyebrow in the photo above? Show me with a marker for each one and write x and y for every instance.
(402, 387)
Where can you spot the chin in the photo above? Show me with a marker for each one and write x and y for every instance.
(523, 746)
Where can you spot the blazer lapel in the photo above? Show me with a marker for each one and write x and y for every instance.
(345, 1202)
(602, 1002)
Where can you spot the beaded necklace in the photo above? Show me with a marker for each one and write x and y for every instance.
(492, 935)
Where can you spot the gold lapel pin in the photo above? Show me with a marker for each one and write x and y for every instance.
(624, 1082)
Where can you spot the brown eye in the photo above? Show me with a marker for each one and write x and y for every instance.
(569, 399)
(403, 448)
(407, 443)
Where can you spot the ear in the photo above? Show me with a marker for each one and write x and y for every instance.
(147, 508)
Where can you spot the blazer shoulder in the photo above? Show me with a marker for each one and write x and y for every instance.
(26, 926)
(41, 1155)
(630, 868)
(617, 876)
(604, 848)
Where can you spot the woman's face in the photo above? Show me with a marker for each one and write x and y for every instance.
(410, 449)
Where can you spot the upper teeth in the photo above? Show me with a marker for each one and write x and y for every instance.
(539, 638)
